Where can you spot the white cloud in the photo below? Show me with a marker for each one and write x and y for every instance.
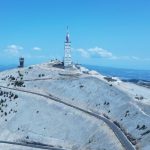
(37, 49)
(13, 49)
(96, 52)
(100, 52)
(83, 52)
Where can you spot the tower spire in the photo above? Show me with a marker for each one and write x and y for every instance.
(67, 35)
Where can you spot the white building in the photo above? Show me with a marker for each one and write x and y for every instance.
(67, 51)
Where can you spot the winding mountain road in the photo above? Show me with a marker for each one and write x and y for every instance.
(117, 131)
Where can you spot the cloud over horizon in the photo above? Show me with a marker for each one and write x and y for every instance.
(83, 52)
(95, 52)
(98, 52)
(13, 49)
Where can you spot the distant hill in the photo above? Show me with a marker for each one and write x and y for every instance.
(124, 74)
(7, 67)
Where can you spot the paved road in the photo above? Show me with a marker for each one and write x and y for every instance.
(42, 79)
(37, 146)
(119, 134)
(38, 79)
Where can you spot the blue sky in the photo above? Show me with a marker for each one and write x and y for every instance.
(113, 33)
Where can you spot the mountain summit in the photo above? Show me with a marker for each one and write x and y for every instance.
(46, 106)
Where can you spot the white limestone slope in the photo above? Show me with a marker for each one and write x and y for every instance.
(47, 121)
(33, 118)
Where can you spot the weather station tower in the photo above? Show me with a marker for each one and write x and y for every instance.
(21, 62)
(67, 52)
